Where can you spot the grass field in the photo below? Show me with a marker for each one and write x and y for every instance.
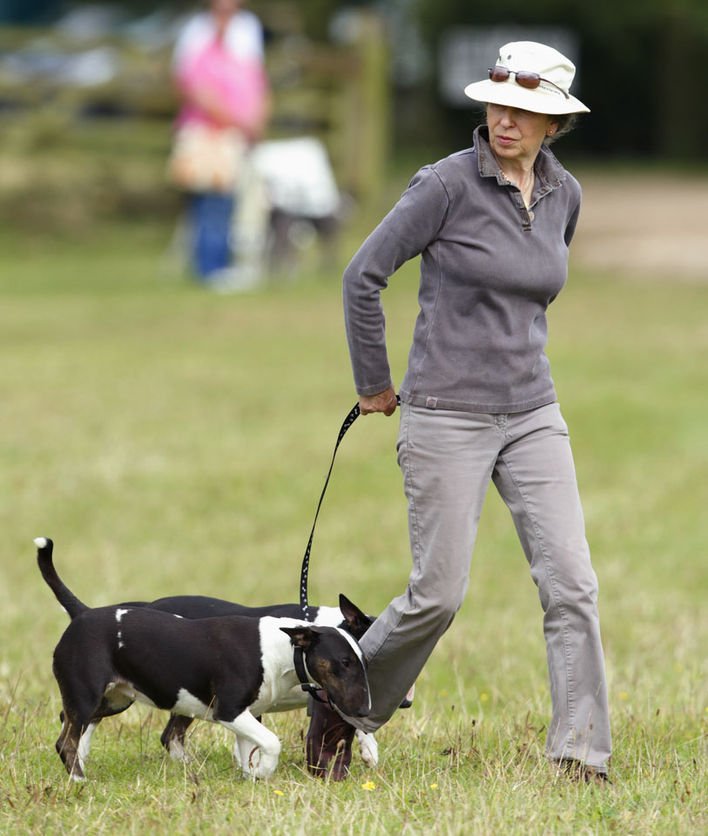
(175, 441)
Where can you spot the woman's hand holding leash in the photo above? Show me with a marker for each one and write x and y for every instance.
(385, 402)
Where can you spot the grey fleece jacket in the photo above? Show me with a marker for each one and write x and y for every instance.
(489, 270)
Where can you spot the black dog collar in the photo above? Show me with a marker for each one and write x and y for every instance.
(301, 671)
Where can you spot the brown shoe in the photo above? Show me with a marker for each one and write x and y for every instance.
(328, 744)
(582, 773)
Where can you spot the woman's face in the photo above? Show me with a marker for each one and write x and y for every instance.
(516, 135)
(224, 8)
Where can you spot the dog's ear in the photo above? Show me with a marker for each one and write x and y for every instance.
(358, 621)
(303, 637)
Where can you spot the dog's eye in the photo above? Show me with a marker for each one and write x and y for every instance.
(345, 662)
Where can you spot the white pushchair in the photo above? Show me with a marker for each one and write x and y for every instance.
(287, 199)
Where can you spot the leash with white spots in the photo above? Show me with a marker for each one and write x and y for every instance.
(304, 571)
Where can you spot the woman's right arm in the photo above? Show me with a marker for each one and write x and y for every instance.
(410, 227)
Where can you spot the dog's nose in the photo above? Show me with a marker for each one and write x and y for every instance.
(364, 709)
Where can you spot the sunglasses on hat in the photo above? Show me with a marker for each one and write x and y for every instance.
(524, 78)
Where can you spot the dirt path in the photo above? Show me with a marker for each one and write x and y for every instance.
(642, 225)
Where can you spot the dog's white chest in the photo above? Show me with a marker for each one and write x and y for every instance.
(277, 690)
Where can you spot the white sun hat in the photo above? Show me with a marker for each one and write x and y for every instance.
(529, 76)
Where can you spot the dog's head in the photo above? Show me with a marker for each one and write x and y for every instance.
(335, 662)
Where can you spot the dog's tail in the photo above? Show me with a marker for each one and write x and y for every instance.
(65, 596)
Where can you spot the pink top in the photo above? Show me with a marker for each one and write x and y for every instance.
(230, 69)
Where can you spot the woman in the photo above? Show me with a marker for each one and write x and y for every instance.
(492, 225)
(219, 72)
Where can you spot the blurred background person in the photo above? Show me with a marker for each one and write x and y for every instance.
(219, 71)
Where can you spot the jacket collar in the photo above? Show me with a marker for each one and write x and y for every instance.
(550, 174)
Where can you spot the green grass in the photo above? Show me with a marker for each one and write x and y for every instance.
(174, 441)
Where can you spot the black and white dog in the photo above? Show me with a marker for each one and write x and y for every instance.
(227, 669)
(173, 736)
(201, 606)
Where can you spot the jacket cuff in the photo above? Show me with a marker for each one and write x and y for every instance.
(367, 391)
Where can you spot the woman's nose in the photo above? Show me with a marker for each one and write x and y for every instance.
(507, 116)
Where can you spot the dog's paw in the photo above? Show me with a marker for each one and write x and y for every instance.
(368, 748)
(260, 766)
(177, 752)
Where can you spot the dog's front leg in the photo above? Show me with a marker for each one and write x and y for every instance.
(243, 749)
(258, 747)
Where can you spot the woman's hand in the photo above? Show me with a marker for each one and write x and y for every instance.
(382, 402)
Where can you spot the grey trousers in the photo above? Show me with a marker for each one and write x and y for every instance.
(448, 459)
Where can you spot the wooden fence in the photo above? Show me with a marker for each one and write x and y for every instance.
(338, 93)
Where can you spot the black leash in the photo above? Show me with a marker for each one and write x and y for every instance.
(304, 571)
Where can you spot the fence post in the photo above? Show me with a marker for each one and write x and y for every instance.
(367, 131)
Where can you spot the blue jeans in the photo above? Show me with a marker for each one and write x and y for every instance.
(448, 460)
(210, 216)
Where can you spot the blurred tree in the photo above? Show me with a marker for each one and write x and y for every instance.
(317, 15)
(643, 65)
(28, 11)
